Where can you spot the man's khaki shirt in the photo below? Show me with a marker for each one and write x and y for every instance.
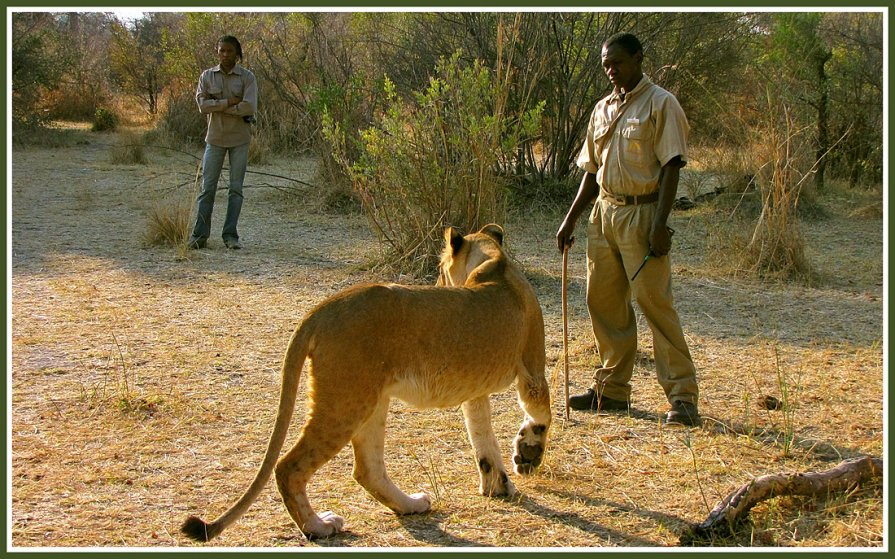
(628, 142)
(226, 128)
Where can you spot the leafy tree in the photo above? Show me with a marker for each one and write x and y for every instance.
(84, 83)
(36, 68)
(137, 56)
(798, 57)
(856, 95)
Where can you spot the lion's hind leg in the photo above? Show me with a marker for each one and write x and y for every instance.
(493, 475)
(369, 466)
(326, 433)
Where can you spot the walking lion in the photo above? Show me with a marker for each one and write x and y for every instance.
(471, 335)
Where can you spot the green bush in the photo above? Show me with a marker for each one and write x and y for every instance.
(103, 120)
(434, 161)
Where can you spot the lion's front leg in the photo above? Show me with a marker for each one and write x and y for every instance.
(531, 441)
(493, 474)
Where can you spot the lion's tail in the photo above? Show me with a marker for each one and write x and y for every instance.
(202, 531)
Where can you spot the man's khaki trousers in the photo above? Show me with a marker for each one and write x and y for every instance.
(617, 241)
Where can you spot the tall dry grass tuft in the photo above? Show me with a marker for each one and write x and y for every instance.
(129, 150)
(777, 247)
(168, 222)
(168, 219)
(766, 184)
(788, 386)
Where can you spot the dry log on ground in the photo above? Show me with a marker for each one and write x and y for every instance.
(734, 508)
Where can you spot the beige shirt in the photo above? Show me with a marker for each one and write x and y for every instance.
(651, 130)
(226, 128)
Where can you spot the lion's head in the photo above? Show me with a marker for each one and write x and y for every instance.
(463, 254)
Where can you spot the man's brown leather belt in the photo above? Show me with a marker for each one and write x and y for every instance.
(622, 200)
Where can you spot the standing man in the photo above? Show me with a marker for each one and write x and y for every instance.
(228, 94)
(635, 146)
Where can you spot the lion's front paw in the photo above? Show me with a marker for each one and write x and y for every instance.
(496, 483)
(529, 447)
(323, 526)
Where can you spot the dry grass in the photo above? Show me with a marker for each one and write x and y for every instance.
(143, 385)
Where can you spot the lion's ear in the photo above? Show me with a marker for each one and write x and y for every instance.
(494, 231)
(453, 239)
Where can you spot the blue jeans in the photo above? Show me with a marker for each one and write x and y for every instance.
(212, 163)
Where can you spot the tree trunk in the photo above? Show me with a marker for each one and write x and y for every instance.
(823, 135)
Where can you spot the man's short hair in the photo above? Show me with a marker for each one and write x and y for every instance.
(231, 40)
(627, 41)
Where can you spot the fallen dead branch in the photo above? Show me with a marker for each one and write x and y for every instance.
(734, 508)
(287, 189)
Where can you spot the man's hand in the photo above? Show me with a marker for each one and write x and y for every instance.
(660, 240)
(587, 193)
(564, 236)
(234, 101)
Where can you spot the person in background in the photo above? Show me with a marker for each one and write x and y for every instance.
(636, 144)
(228, 94)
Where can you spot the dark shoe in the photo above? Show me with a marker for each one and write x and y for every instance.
(683, 413)
(590, 400)
(232, 244)
(195, 243)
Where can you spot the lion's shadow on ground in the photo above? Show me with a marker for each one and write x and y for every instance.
(429, 528)
(603, 535)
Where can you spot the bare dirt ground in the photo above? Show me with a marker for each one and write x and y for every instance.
(144, 384)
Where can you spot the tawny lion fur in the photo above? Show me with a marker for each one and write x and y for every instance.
(439, 346)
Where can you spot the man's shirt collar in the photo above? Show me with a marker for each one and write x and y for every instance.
(237, 69)
(644, 83)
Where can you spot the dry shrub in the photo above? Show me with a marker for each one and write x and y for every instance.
(104, 120)
(286, 128)
(70, 102)
(335, 189)
(180, 124)
(131, 110)
(259, 149)
(129, 150)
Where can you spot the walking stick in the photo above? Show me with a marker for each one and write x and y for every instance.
(565, 323)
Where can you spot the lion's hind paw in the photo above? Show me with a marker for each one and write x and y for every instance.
(322, 526)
